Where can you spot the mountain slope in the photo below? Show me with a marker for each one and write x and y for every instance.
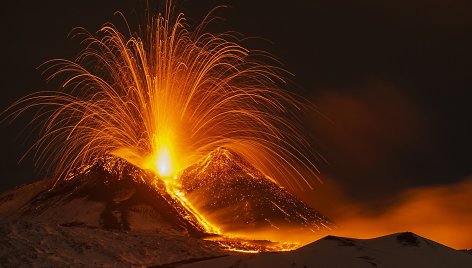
(236, 195)
(107, 213)
(396, 250)
(110, 194)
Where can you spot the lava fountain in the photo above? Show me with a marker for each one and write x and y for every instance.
(163, 98)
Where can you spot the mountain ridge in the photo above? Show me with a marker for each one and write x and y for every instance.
(404, 249)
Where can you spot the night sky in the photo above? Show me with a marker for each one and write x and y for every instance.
(393, 77)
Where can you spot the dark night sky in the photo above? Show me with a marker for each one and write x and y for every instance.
(394, 76)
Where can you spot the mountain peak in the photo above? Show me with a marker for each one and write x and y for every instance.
(111, 193)
(227, 185)
(222, 160)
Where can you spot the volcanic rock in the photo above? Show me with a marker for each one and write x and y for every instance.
(237, 196)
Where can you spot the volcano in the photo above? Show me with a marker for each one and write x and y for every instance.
(237, 196)
(112, 210)
(114, 194)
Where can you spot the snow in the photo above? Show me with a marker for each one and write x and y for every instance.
(27, 244)
(396, 250)
(61, 231)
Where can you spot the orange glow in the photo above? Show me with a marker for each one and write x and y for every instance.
(238, 244)
(163, 162)
(163, 159)
(173, 188)
(441, 213)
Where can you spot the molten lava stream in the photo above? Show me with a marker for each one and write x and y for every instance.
(172, 188)
(226, 241)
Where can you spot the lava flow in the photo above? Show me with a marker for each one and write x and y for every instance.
(167, 96)
(176, 193)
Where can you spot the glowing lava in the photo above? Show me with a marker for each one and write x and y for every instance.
(173, 188)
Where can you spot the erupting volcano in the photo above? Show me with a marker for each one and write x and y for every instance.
(162, 99)
(112, 194)
(167, 144)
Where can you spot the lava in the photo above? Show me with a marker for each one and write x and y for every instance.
(238, 244)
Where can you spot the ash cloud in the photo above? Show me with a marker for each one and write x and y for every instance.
(377, 139)
(388, 171)
(442, 213)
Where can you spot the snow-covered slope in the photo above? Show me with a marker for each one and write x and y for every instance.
(395, 250)
(110, 194)
(38, 244)
(106, 214)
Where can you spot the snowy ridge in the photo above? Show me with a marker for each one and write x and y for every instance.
(395, 250)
